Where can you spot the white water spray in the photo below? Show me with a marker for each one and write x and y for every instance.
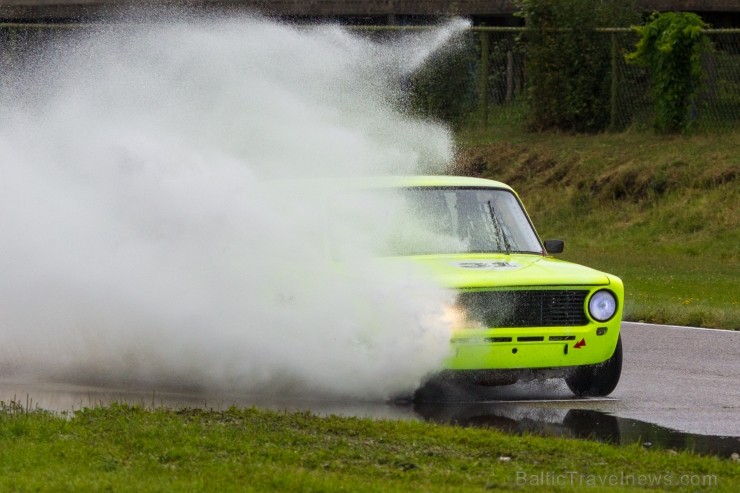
(141, 243)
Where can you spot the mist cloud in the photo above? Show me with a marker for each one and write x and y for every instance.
(150, 237)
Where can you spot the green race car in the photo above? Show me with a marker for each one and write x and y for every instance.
(520, 314)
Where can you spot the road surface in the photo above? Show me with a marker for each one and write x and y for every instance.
(679, 379)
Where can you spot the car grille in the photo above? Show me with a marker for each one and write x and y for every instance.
(536, 308)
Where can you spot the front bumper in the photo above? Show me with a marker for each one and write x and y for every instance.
(533, 347)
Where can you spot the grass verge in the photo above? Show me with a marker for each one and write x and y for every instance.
(662, 212)
(122, 448)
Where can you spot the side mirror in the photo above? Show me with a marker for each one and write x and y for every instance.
(554, 246)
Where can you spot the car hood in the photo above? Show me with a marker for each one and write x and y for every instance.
(492, 270)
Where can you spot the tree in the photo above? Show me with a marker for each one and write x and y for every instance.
(568, 63)
(671, 46)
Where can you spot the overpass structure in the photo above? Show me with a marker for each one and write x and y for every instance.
(720, 13)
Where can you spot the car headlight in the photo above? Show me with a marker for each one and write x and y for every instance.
(602, 306)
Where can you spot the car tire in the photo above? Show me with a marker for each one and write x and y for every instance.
(432, 391)
(597, 380)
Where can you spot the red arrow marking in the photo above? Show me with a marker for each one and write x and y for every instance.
(579, 344)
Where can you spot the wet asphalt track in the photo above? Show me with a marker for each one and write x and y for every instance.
(682, 378)
(679, 385)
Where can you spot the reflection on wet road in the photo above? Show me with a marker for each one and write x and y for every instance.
(574, 422)
(678, 387)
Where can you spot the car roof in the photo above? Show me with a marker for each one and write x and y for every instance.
(402, 181)
(439, 181)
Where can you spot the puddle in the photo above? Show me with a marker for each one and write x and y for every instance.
(565, 421)
(550, 415)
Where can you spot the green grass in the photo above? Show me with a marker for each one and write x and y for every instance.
(662, 212)
(122, 448)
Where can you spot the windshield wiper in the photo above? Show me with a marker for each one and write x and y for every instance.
(499, 229)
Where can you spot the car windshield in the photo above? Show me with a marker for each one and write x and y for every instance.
(447, 220)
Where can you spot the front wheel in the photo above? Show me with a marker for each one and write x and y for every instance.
(597, 380)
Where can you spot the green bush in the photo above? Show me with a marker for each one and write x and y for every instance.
(444, 89)
(671, 46)
(569, 66)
